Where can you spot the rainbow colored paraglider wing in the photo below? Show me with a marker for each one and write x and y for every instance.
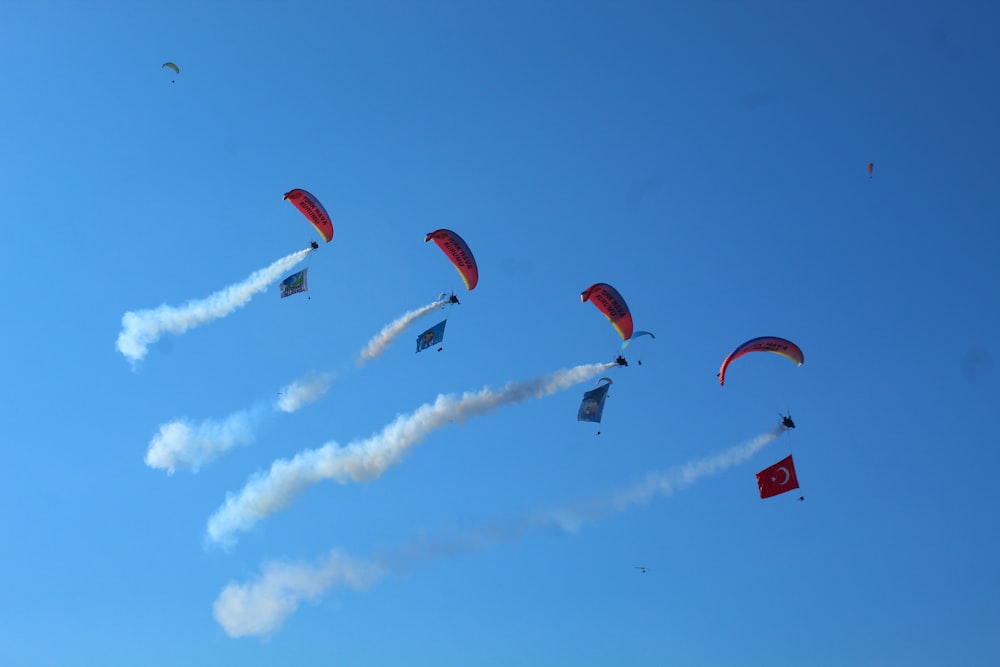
(785, 348)
(312, 209)
(610, 302)
(459, 253)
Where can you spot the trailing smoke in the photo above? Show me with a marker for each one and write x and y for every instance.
(366, 460)
(142, 328)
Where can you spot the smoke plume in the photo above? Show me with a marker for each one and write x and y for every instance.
(142, 328)
(303, 391)
(389, 332)
(366, 460)
(261, 606)
(183, 444)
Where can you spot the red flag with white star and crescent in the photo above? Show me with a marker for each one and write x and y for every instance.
(777, 478)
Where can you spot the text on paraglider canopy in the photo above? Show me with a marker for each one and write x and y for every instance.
(460, 257)
(615, 309)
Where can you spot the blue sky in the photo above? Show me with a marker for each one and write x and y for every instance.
(708, 160)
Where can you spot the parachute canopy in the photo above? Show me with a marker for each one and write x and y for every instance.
(610, 302)
(637, 334)
(312, 209)
(459, 253)
(785, 348)
(177, 70)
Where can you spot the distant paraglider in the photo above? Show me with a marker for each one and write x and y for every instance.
(310, 207)
(871, 165)
(610, 302)
(785, 348)
(459, 253)
(171, 66)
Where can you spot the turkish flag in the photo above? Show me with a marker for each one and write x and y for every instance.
(777, 478)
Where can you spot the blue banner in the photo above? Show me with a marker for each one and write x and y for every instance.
(294, 284)
(432, 336)
(592, 405)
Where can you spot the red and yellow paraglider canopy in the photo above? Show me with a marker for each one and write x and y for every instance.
(610, 302)
(312, 209)
(785, 348)
(459, 253)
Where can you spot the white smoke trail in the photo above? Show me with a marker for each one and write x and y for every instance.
(662, 483)
(313, 387)
(144, 327)
(303, 391)
(389, 332)
(181, 444)
(366, 460)
(261, 606)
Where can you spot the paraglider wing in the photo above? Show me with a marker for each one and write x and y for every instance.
(871, 165)
(459, 253)
(610, 302)
(637, 334)
(177, 70)
(785, 348)
(312, 209)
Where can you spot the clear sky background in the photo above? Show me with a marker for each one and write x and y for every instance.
(707, 159)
